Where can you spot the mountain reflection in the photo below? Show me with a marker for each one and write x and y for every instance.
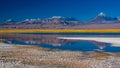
(51, 41)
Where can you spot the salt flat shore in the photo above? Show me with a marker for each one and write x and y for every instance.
(19, 56)
(113, 40)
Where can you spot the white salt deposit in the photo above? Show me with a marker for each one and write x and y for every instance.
(111, 40)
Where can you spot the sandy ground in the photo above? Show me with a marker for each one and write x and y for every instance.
(19, 56)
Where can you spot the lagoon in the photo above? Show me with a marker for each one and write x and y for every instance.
(74, 42)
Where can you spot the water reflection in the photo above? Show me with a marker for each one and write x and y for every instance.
(52, 41)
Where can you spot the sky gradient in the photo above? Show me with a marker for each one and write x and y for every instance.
(80, 9)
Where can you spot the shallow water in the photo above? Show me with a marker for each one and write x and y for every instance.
(52, 41)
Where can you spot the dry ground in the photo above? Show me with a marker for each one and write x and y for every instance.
(19, 56)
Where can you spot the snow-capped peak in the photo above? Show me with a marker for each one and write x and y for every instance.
(26, 19)
(9, 20)
(101, 14)
(57, 17)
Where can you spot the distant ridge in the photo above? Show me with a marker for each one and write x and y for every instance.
(99, 21)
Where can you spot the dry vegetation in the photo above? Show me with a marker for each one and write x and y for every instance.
(1, 40)
(18, 56)
(56, 30)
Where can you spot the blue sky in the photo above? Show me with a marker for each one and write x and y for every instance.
(80, 9)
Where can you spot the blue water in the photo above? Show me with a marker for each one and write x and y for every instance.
(74, 46)
(88, 34)
(78, 46)
(48, 41)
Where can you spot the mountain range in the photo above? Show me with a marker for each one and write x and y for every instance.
(98, 22)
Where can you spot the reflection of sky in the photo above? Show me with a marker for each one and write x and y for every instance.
(76, 45)
(108, 43)
(111, 40)
(111, 48)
